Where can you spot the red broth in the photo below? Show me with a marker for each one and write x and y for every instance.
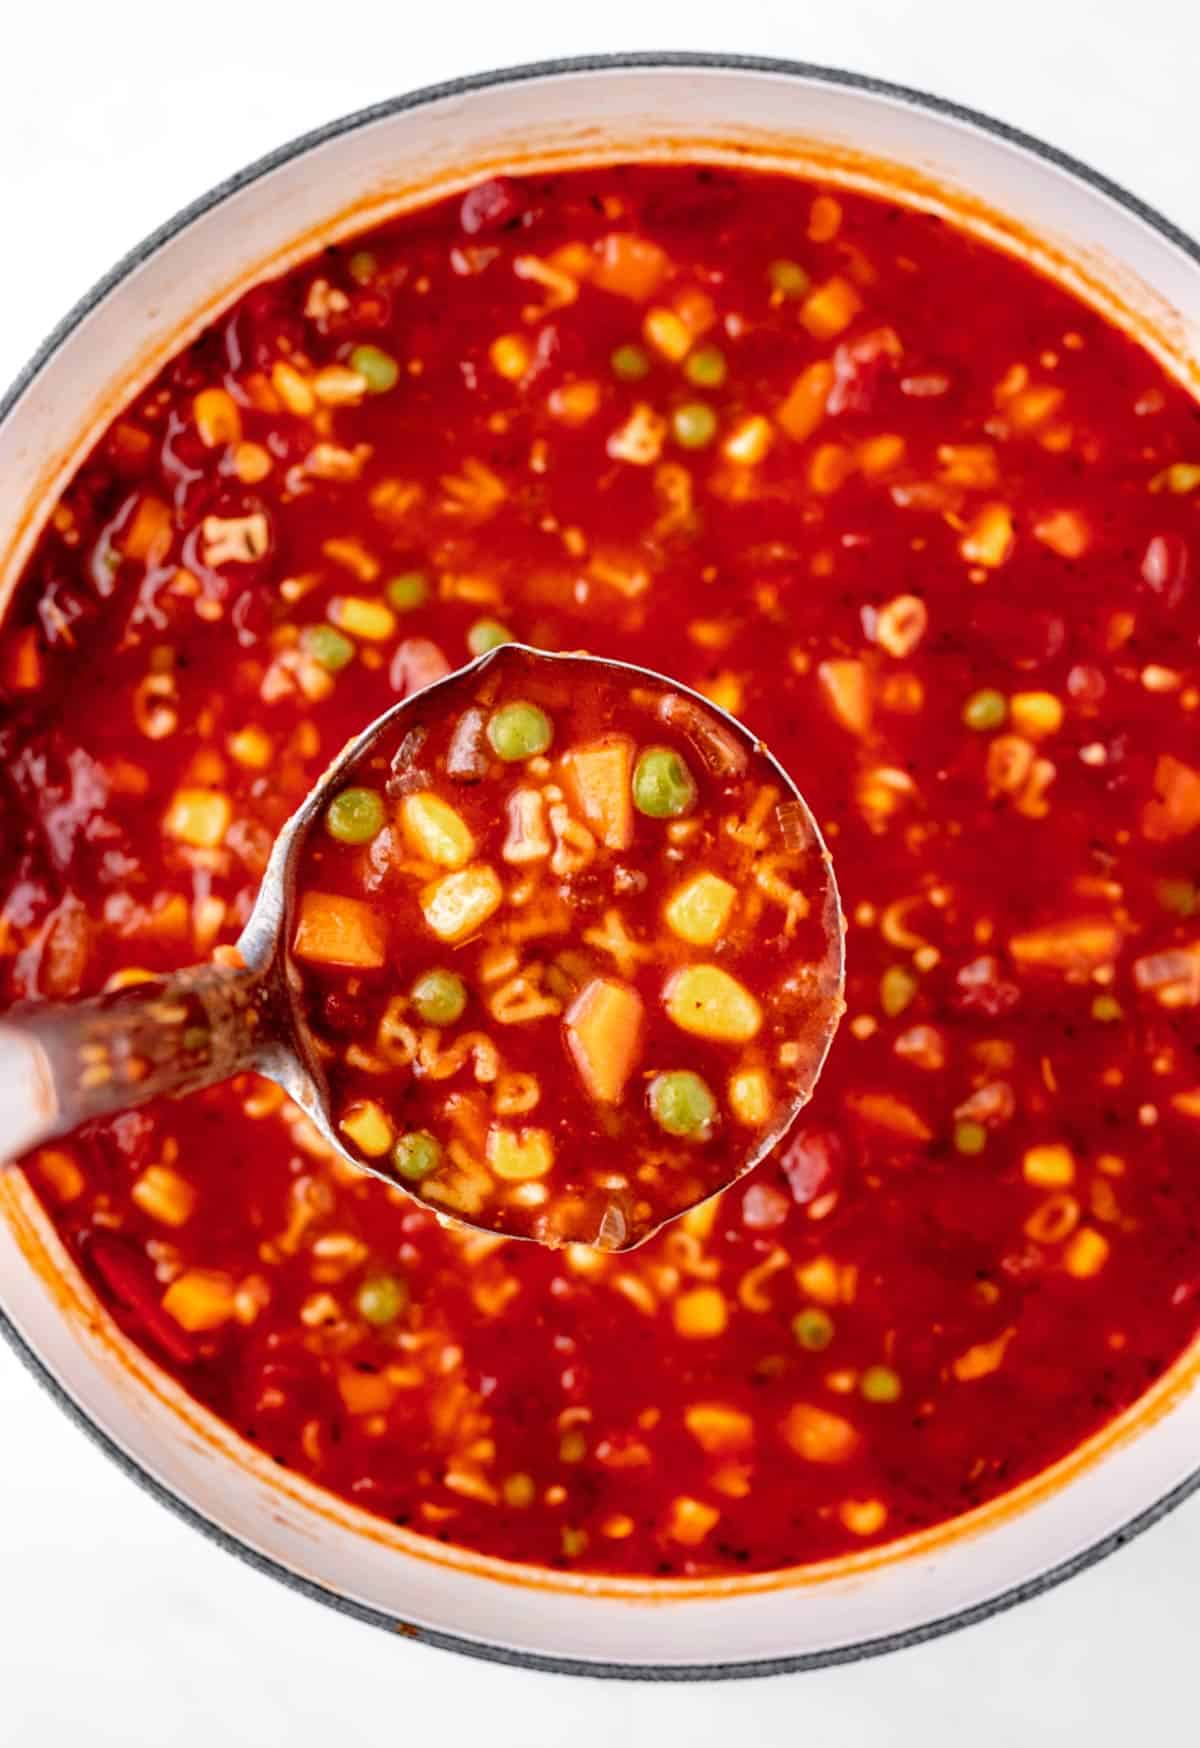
(924, 522)
(568, 950)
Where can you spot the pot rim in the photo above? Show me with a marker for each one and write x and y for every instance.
(165, 233)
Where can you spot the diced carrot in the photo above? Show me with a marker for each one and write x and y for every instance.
(604, 1036)
(804, 407)
(23, 662)
(818, 1436)
(600, 774)
(365, 1392)
(334, 930)
(690, 1520)
(61, 1172)
(1077, 945)
(982, 1359)
(847, 691)
(149, 533)
(719, 1428)
(629, 266)
(1175, 809)
(830, 308)
(883, 1111)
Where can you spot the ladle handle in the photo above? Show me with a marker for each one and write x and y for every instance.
(63, 1063)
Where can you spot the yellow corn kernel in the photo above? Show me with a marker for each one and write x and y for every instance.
(127, 977)
(61, 1173)
(690, 1520)
(818, 1436)
(198, 817)
(252, 748)
(368, 1126)
(459, 903)
(217, 418)
(989, 539)
(360, 617)
(725, 690)
(749, 441)
(820, 1279)
(700, 1313)
(698, 910)
(519, 1491)
(1035, 713)
(750, 1097)
(164, 1195)
(1086, 1254)
(339, 386)
(1049, 1167)
(718, 1428)
(863, 1517)
(1181, 477)
(519, 1155)
(664, 330)
(510, 356)
(709, 1003)
(830, 308)
(435, 830)
(200, 1300)
(293, 390)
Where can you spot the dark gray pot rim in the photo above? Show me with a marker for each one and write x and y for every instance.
(850, 1653)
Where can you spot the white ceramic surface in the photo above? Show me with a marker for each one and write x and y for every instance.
(385, 161)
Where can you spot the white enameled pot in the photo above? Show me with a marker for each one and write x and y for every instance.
(1027, 199)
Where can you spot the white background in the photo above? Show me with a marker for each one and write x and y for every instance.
(118, 1624)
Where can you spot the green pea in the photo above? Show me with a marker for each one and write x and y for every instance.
(706, 367)
(410, 589)
(196, 1038)
(663, 787)
(970, 1138)
(985, 710)
(355, 816)
(362, 266)
(439, 997)
(897, 987)
(789, 278)
(327, 647)
(630, 363)
(487, 634)
(694, 425)
(681, 1103)
(813, 1328)
(1106, 1009)
(416, 1154)
(519, 731)
(1178, 896)
(880, 1384)
(381, 1299)
(380, 368)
